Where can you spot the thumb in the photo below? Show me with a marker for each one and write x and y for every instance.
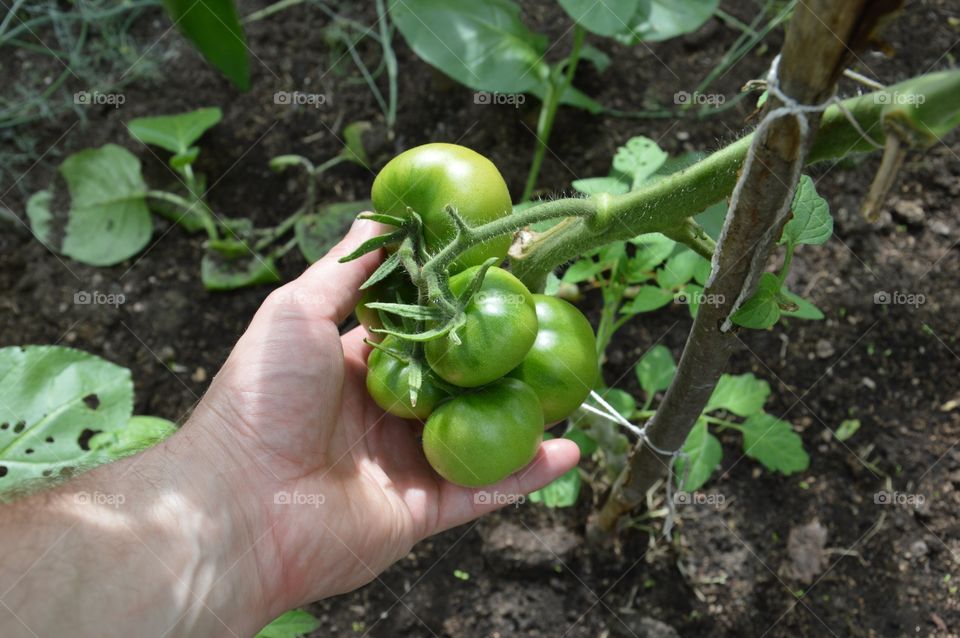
(335, 285)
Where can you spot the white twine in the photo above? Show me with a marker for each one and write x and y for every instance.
(790, 108)
(610, 414)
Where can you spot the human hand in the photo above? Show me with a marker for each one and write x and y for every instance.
(291, 414)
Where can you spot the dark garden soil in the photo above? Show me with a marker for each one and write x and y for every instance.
(884, 570)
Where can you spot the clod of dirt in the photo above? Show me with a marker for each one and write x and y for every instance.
(643, 627)
(529, 547)
(909, 211)
(805, 546)
(825, 349)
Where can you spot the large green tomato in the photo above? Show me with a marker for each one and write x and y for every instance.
(501, 328)
(428, 178)
(483, 436)
(562, 365)
(388, 382)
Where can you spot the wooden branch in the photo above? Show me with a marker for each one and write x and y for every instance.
(821, 40)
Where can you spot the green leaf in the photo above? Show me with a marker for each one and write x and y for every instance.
(811, 222)
(213, 27)
(319, 232)
(595, 185)
(679, 268)
(607, 17)
(743, 394)
(639, 158)
(667, 19)
(652, 249)
(561, 492)
(711, 220)
(586, 443)
(774, 443)
(292, 624)
(583, 270)
(181, 160)
(140, 433)
(483, 45)
(704, 452)
(372, 244)
(49, 396)
(411, 311)
(250, 269)
(656, 369)
(761, 310)
(596, 57)
(174, 133)
(648, 298)
(108, 220)
(41, 219)
(847, 428)
(572, 96)
(384, 270)
(353, 147)
(805, 309)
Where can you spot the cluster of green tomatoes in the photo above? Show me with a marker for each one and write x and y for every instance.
(520, 361)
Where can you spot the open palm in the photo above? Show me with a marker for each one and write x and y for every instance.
(337, 489)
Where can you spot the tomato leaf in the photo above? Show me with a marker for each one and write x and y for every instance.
(743, 395)
(383, 271)
(648, 298)
(251, 269)
(761, 310)
(561, 492)
(704, 454)
(411, 311)
(774, 443)
(213, 27)
(804, 309)
(656, 369)
(811, 222)
(679, 268)
(638, 159)
(665, 19)
(595, 185)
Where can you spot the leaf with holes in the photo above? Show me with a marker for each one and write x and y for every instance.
(774, 443)
(140, 433)
(50, 399)
(704, 454)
